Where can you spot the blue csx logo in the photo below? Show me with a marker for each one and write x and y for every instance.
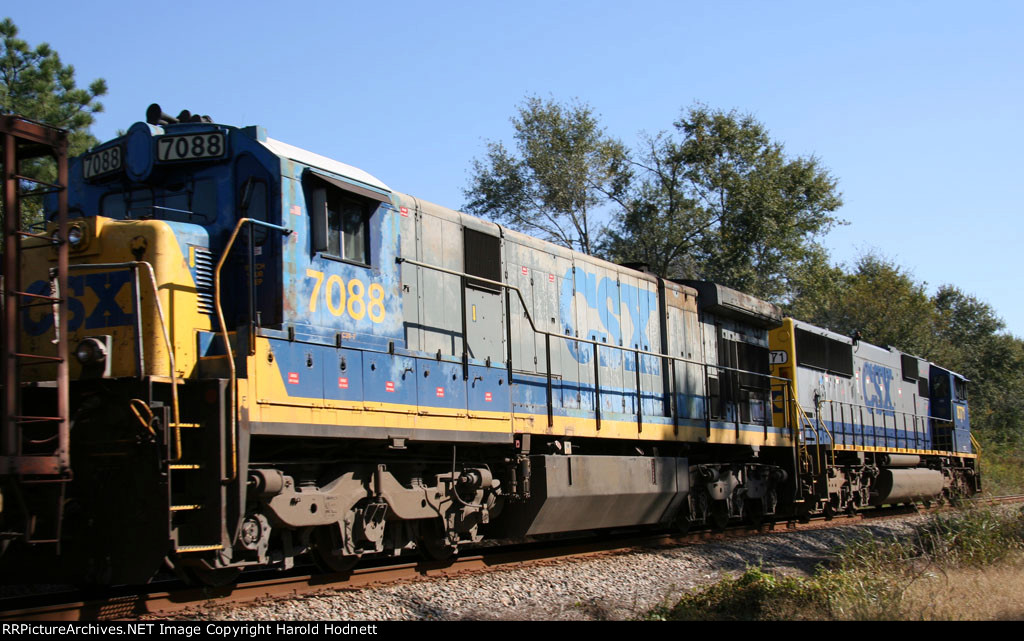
(876, 381)
(609, 297)
(106, 313)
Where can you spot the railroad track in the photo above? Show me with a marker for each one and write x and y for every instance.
(168, 597)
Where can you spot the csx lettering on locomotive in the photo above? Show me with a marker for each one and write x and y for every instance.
(877, 382)
(105, 311)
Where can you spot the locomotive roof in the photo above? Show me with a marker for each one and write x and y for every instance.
(799, 324)
(322, 162)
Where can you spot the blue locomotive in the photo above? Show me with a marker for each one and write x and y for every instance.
(273, 354)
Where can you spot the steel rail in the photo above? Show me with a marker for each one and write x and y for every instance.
(166, 599)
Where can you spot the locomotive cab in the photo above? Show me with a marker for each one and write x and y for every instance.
(950, 419)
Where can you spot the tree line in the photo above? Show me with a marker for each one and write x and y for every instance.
(716, 198)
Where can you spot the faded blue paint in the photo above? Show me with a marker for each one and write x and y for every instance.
(299, 287)
(869, 436)
(877, 385)
(638, 304)
(440, 384)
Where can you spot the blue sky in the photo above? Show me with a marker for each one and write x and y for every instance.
(916, 107)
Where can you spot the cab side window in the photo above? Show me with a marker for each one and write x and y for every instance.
(253, 203)
(960, 389)
(347, 222)
(340, 216)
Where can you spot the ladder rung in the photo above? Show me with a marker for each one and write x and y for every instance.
(198, 548)
(37, 419)
(36, 181)
(51, 245)
(55, 359)
(38, 192)
(49, 298)
(42, 304)
(184, 508)
(183, 466)
(39, 236)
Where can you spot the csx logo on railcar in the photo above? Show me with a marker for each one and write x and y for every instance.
(638, 304)
(877, 382)
(93, 303)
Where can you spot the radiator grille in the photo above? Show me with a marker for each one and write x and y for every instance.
(204, 280)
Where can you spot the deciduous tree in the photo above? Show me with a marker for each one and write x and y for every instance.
(877, 297)
(563, 167)
(720, 200)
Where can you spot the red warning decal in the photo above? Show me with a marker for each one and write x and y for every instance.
(525, 271)
(487, 396)
(342, 382)
(293, 378)
(405, 211)
(389, 386)
(551, 278)
(440, 392)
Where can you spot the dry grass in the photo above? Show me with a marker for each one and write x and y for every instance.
(964, 566)
(992, 593)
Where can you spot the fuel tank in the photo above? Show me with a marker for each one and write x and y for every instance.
(898, 486)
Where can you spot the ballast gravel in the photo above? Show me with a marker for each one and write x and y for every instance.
(613, 586)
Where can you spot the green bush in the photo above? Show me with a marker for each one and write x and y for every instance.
(1002, 469)
(752, 596)
(867, 579)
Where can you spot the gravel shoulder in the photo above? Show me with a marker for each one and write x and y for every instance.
(609, 587)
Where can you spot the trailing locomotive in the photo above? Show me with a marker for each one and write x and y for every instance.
(271, 354)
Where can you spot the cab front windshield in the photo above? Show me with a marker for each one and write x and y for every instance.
(194, 201)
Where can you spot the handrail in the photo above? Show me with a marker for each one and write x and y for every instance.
(224, 332)
(802, 422)
(893, 412)
(880, 409)
(134, 265)
(828, 432)
(585, 341)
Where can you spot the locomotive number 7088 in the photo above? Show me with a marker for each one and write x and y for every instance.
(355, 298)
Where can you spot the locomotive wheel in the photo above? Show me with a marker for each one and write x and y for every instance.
(683, 522)
(434, 543)
(719, 515)
(323, 552)
(828, 511)
(755, 512)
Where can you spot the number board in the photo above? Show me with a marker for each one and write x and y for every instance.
(191, 146)
(104, 161)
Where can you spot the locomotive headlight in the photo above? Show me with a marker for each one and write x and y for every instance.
(91, 351)
(76, 236)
